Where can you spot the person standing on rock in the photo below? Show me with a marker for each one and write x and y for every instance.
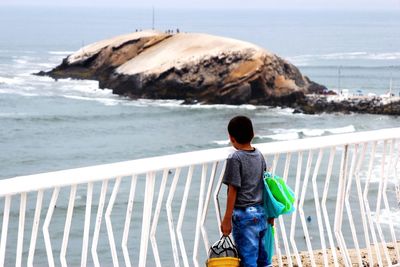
(245, 216)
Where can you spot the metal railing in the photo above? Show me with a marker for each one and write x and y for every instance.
(166, 211)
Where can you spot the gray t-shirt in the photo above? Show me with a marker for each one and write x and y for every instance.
(244, 170)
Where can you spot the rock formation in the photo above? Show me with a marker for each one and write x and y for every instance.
(315, 104)
(197, 68)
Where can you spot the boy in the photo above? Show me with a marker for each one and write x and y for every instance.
(244, 214)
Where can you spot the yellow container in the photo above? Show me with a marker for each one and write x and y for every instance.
(223, 262)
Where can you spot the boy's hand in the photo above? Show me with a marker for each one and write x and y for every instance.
(226, 226)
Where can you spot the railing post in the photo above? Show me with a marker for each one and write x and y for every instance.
(4, 230)
(147, 209)
(46, 234)
(85, 241)
(21, 229)
(128, 217)
(107, 217)
(340, 207)
(156, 218)
(301, 210)
(67, 227)
(97, 226)
(170, 217)
(199, 215)
(35, 228)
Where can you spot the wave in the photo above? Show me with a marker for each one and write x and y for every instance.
(10, 81)
(346, 129)
(280, 136)
(61, 52)
(180, 103)
(309, 58)
(221, 106)
(25, 84)
(387, 216)
(221, 142)
(293, 134)
(105, 101)
(6, 51)
(12, 115)
(316, 132)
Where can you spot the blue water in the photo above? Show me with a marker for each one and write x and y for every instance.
(48, 125)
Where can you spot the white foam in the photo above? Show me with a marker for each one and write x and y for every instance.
(12, 114)
(281, 136)
(105, 101)
(152, 103)
(221, 106)
(10, 81)
(61, 52)
(346, 129)
(21, 93)
(179, 103)
(304, 60)
(315, 132)
(282, 111)
(21, 61)
(387, 216)
(222, 142)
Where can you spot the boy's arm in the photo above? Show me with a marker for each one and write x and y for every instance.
(226, 224)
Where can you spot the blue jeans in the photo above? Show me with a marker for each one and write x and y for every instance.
(248, 229)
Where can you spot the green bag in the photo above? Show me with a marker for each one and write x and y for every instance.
(280, 191)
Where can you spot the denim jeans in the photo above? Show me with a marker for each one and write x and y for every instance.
(248, 228)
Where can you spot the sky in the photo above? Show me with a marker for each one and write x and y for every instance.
(306, 4)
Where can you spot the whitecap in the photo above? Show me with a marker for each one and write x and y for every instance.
(282, 111)
(304, 60)
(220, 106)
(152, 102)
(281, 136)
(12, 114)
(346, 129)
(10, 81)
(313, 132)
(61, 52)
(222, 142)
(386, 216)
(105, 101)
(16, 92)
(180, 104)
(21, 61)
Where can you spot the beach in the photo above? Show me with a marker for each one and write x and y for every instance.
(319, 257)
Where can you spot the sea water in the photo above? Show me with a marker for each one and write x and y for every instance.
(48, 125)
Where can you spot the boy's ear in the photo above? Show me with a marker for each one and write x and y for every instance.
(232, 139)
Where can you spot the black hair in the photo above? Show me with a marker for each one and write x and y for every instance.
(241, 128)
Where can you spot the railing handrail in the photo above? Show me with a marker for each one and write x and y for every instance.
(96, 173)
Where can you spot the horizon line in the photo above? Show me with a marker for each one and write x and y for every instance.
(106, 5)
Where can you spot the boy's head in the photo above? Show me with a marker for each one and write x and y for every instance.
(241, 129)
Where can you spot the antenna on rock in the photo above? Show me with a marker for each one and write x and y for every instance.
(153, 19)
(339, 74)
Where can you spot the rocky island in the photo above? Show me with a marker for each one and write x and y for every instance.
(197, 68)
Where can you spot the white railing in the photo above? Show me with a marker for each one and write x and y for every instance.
(165, 211)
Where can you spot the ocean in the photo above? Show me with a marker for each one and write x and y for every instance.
(48, 125)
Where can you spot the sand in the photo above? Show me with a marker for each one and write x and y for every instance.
(318, 255)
